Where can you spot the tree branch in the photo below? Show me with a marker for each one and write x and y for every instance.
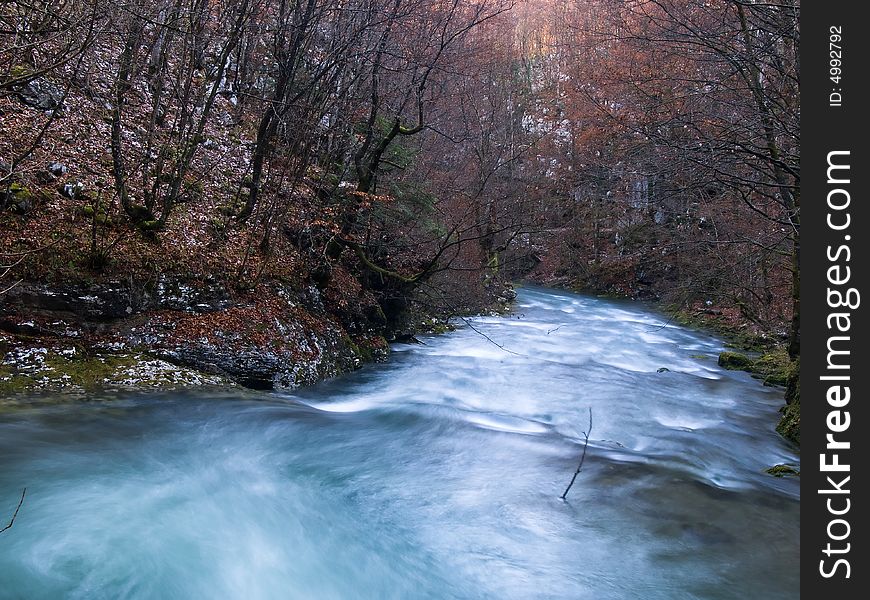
(582, 456)
(15, 514)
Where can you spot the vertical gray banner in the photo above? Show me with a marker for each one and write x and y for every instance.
(834, 257)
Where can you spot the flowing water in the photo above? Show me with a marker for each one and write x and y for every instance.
(436, 475)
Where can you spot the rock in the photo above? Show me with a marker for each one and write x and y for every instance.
(44, 177)
(19, 326)
(734, 361)
(67, 369)
(72, 190)
(789, 425)
(40, 93)
(272, 341)
(292, 353)
(99, 302)
(19, 199)
(200, 297)
(782, 470)
(57, 169)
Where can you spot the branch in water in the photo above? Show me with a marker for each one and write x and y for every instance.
(15, 514)
(582, 457)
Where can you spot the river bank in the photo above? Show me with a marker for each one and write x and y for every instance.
(174, 333)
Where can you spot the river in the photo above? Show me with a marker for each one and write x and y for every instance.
(435, 475)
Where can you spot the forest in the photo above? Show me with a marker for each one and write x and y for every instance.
(398, 161)
(333, 299)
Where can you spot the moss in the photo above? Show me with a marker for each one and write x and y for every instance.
(19, 74)
(367, 349)
(793, 384)
(76, 370)
(20, 192)
(152, 225)
(737, 338)
(59, 371)
(782, 471)
(12, 382)
(192, 191)
(88, 372)
(789, 425)
(734, 361)
(20, 198)
(773, 367)
(440, 328)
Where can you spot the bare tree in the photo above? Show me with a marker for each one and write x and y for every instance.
(182, 89)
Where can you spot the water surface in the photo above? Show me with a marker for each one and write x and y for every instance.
(436, 475)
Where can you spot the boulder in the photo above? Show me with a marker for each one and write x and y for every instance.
(734, 361)
(195, 297)
(41, 94)
(19, 199)
(99, 302)
(72, 190)
(57, 169)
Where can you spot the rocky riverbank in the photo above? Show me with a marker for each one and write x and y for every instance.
(172, 332)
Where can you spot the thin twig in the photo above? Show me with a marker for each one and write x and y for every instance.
(8, 289)
(480, 333)
(489, 339)
(582, 457)
(15, 514)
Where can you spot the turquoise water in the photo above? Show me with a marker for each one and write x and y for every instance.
(436, 475)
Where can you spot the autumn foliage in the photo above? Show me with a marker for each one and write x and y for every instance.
(412, 151)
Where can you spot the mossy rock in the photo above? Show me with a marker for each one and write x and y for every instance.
(782, 471)
(19, 190)
(20, 199)
(734, 361)
(774, 367)
(737, 338)
(793, 384)
(228, 210)
(78, 370)
(789, 425)
(192, 191)
(148, 226)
